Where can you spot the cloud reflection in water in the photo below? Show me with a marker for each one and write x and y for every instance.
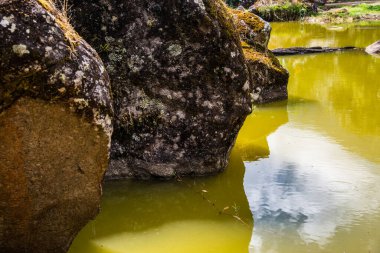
(307, 190)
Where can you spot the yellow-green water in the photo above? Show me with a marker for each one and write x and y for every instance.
(306, 169)
(296, 34)
(192, 215)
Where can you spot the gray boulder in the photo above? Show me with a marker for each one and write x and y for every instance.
(179, 81)
(373, 48)
(55, 129)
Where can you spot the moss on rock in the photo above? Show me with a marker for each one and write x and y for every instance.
(269, 79)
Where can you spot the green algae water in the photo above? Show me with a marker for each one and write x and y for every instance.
(304, 175)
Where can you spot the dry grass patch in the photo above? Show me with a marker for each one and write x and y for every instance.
(60, 10)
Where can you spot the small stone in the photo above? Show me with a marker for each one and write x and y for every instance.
(373, 48)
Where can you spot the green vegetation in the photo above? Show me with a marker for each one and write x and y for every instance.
(348, 14)
(284, 12)
(362, 9)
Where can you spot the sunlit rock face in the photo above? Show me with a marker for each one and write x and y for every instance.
(55, 129)
(269, 79)
(179, 80)
(373, 48)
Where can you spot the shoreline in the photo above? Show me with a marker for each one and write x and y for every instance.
(349, 13)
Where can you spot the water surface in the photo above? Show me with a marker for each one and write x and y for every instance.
(186, 215)
(297, 34)
(314, 184)
(306, 169)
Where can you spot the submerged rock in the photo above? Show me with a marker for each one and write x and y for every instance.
(55, 129)
(179, 80)
(269, 79)
(309, 50)
(373, 48)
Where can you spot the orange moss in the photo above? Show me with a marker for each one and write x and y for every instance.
(267, 59)
(252, 21)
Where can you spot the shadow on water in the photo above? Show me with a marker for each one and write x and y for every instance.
(192, 215)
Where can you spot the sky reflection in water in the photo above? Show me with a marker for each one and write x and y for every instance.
(313, 181)
(307, 190)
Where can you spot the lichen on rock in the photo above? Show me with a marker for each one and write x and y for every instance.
(55, 129)
(179, 81)
(42, 64)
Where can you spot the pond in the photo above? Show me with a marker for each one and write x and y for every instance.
(304, 175)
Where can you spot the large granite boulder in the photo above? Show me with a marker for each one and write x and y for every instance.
(373, 48)
(179, 80)
(269, 79)
(55, 129)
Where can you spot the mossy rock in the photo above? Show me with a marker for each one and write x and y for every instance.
(268, 78)
(252, 29)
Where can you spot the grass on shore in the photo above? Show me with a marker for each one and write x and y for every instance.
(363, 9)
(284, 12)
(287, 11)
(348, 14)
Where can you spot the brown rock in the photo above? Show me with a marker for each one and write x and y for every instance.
(55, 128)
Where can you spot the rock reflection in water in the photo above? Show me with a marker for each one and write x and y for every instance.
(252, 142)
(346, 98)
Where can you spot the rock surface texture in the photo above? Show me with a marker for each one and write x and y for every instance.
(55, 129)
(269, 79)
(179, 80)
(373, 48)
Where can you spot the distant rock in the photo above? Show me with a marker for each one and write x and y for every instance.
(373, 48)
(179, 79)
(55, 129)
(269, 79)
